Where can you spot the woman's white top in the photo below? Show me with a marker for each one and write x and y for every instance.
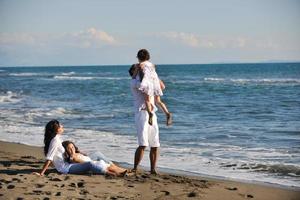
(84, 158)
(55, 154)
(150, 84)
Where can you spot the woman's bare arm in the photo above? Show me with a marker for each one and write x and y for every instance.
(45, 167)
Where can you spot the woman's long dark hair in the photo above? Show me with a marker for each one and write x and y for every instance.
(50, 132)
(65, 145)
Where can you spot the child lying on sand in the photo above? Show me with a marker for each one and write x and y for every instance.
(73, 155)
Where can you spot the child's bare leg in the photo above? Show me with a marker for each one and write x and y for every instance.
(149, 108)
(117, 169)
(111, 173)
(114, 169)
(165, 110)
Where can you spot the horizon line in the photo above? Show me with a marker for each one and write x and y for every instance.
(211, 63)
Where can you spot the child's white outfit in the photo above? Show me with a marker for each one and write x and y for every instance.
(150, 84)
(101, 163)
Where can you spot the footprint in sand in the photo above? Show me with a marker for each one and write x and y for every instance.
(58, 194)
(39, 185)
(28, 157)
(10, 187)
(16, 180)
(37, 192)
(192, 194)
(55, 179)
(231, 188)
(83, 192)
(247, 196)
(80, 184)
(145, 176)
(166, 192)
(72, 185)
(4, 181)
(116, 197)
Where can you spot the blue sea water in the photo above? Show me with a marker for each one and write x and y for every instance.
(240, 121)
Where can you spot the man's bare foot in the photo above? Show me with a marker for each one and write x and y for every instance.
(150, 121)
(124, 173)
(169, 119)
(153, 172)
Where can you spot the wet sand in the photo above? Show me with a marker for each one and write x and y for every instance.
(17, 162)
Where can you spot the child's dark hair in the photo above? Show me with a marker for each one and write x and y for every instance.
(66, 154)
(143, 55)
(134, 70)
(131, 70)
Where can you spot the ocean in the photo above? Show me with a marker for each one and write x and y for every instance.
(236, 121)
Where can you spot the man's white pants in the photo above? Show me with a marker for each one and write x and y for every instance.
(147, 135)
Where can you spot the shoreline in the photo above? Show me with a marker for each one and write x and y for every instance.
(221, 178)
(18, 161)
(188, 173)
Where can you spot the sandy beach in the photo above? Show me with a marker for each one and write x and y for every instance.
(18, 161)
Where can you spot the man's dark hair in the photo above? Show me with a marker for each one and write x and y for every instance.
(143, 55)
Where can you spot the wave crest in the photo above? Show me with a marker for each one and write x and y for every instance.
(255, 81)
(9, 97)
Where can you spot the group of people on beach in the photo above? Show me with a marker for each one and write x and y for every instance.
(146, 88)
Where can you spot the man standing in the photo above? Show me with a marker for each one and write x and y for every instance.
(148, 135)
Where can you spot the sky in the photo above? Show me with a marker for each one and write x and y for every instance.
(110, 32)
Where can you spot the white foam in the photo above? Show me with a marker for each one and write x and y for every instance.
(214, 79)
(122, 147)
(255, 81)
(9, 97)
(68, 73)
(88, 78)
(73, 77)
(25, 74)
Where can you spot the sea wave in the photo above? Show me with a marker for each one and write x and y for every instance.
(10, 97)
(68, 73)
(73, 77)
(279, 169)
(60, 77)
(255, 81)
(25, 74)
(3, 72)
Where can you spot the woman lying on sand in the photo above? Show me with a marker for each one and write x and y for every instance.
(54, 152)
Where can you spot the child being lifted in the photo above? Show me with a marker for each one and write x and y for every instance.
(150, 85)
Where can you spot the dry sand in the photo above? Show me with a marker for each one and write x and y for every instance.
(18, 161)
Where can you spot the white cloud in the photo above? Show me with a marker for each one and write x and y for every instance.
(188, 39)
(197, 41)
(218, 42)
(101, 35)
(90, 38)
